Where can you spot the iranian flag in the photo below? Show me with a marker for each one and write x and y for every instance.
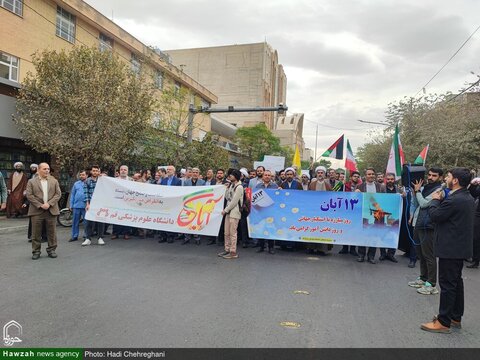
(336, 150)
(420, 160)
(396, 158)
(350, 162)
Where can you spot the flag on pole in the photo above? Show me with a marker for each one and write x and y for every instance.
(350, 162)
(420, 160)
(396, 158)
(336, 150)
(296, 159)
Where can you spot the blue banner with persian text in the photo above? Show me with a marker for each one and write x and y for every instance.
(344, 218)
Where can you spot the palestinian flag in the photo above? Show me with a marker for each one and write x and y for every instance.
(350, 162)
(396, 158)
(336, 150)
(420, 160)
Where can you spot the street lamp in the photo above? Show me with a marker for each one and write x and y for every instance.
(281, 109)
(374, 122)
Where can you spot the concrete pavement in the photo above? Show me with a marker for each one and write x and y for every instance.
(140, 293)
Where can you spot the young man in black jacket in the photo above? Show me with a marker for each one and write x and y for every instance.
(453, 219)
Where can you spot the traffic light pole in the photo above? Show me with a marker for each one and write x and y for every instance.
(229, 109)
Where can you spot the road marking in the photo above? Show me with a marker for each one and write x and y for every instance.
(290, 324)
(302, 292)
(312, 258)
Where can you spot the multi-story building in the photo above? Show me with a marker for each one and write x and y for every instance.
(26, 27)
(289, 130)
(247, 75)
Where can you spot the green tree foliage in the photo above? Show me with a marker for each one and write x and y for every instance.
(83, 106)
(449, 124)
(257, 141)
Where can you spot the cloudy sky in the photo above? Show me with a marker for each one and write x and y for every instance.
(344, 60)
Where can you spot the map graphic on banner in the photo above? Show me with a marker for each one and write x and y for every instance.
(190, 210)
(363, 219)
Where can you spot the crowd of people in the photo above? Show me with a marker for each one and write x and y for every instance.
(442, 221)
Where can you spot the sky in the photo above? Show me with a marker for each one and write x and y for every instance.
(344, 60)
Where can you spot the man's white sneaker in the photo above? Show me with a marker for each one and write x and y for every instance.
(100, 241)
(86, 242)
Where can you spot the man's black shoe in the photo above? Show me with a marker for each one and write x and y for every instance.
(35, 256)
(197, 241)
(473, 265)
(271, 251)
(382, 257)
(361, 259)
(74, 239)
(344, 250)
(161, 241)
(411, 264)
(52, 255)
(371, 260)
(392, 258)
(29, 240)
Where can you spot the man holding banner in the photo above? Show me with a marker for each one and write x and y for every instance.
(369, 186)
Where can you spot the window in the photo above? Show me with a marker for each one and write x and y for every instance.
(177, 87)
(65, 25)
(159, 79)
(8, 67)
(135, 64)
(15, 6)
(106, 43)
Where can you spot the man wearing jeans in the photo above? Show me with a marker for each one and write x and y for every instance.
(453, 219)
(89, 188)
(77, 203)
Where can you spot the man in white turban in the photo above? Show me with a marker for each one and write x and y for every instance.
(16, 187)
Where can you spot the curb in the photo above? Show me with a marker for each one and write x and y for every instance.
(12, 229)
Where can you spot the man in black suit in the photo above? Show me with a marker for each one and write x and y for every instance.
(453, 219)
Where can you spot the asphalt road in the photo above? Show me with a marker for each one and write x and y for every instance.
(139, 293)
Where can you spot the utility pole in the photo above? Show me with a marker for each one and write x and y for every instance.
(192, 111)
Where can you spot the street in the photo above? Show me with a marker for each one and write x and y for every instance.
(139, 293)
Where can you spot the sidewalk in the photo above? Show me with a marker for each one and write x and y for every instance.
(11, 225)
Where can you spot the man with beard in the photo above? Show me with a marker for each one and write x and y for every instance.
(253, 182)
(33, 170)
(319, 183)
(281, 177)
(453, 219)
(16, 189)
(390, 188)
(332, 178)
(475, 192)
(423, 233)
(290, 181)
(369, 186)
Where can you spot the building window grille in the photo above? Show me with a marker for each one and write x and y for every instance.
(15, 6)
(106, 43)
(65, 25)
(9, 67)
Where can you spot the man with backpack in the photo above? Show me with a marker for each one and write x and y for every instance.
(234, 203)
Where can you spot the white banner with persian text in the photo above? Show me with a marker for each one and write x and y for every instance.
(190, 210)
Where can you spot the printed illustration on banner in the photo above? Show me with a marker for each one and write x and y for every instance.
(197, 206)
(11, 332)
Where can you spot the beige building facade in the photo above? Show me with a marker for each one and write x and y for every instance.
(34, 25)
(246, 75)
(289, 129)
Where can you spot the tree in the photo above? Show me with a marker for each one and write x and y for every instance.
(83, 107)
(446, 122)
(257, 141)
